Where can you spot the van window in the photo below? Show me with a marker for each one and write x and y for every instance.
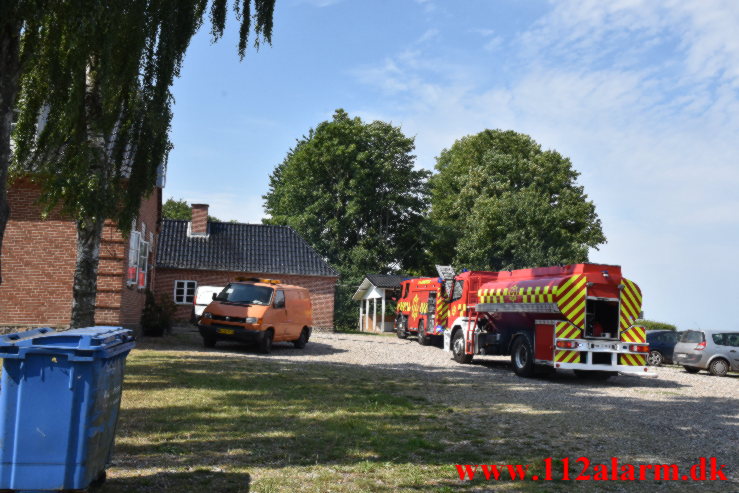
(245, 293)
(279, 299)
(692, 336)
(732, 340)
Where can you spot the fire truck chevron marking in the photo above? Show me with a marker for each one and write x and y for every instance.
(635, 334)
(566, 330)
(632, 360)
(630, 304)
(567, 357)
(571, 298)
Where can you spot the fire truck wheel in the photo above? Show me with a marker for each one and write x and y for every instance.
(458, 348)
(423, 339)
(522, 357)
(400, 327)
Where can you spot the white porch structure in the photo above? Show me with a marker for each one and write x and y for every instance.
(376, 289)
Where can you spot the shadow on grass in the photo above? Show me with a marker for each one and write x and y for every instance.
(198, 480)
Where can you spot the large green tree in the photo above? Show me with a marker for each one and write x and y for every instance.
(93, 80)
(500, 202)
(351, 190)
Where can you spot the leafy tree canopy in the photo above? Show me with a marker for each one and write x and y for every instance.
(499, 202)
(350, 189)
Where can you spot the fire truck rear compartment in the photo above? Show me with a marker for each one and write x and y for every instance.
(601, 319)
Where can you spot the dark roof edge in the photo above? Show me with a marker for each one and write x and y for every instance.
(158, 266)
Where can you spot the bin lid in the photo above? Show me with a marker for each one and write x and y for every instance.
(87, 341)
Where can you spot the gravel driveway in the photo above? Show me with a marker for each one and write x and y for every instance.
(675, 418)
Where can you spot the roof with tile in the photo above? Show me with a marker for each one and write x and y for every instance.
(254, 248)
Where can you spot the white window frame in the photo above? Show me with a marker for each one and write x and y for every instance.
(185, 283)
(134, 249)
(143, 264)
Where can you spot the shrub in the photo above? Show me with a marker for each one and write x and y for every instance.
(156, 319)
(652, 325)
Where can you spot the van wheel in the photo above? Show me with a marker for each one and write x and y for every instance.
(265, 345)
(209, 341)
(458, 348)
(718, 367)
(522, 357)
(301, 341)
(423, 339)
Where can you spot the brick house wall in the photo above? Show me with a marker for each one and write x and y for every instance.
(321, 289)
(38, 260)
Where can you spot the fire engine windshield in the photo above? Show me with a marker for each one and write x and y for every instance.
(246, 293)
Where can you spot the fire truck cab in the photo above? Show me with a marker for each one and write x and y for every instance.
(417, 309)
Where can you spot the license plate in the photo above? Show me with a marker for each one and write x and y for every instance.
(680, 355)
(226, 331)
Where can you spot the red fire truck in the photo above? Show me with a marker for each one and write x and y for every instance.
(579, 317)
(421, 309)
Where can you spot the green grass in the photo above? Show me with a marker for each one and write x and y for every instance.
(196, 420)
(208, 421)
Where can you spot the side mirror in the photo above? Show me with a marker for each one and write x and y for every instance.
(214, 296)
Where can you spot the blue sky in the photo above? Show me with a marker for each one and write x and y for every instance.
(641, 95)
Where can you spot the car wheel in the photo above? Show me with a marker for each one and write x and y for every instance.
(718, 367)
(655, 358)
(209, 341)
(400, 325)
(265, 345)
(458, 352)
(301, 341)
(423, 339)
(691, 369)
(522, 357)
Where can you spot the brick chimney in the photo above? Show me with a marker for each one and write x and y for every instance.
(199, 224)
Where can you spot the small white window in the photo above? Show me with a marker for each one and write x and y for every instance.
(184, 292)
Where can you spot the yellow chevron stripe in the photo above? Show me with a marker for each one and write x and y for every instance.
(564, 287)
(635, 289)
(580, 319)
(577, 299)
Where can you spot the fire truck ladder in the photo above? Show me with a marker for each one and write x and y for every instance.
(474, 285)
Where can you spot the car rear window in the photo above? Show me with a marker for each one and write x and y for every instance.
(692, 336)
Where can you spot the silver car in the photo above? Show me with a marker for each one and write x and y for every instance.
(714, 350)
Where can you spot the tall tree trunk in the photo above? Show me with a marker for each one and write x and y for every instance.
(89, 234)
(9, 72)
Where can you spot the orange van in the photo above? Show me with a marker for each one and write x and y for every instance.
(258, 310)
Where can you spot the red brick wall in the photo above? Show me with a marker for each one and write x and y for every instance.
(321, 289)
(38, 260)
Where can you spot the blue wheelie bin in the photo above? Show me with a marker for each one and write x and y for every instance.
(59, 399)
